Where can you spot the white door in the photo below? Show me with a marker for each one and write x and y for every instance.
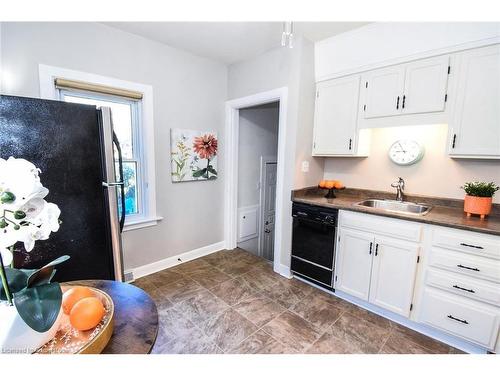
(393, 274)
(336, 116)
(426, 83)
(475, 123)
(383, 92)
(354, 262)
(269, 204)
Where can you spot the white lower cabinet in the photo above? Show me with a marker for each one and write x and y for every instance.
(393, 274)
(354, 262)
(377, 269)
(451, 276)
(473, 321)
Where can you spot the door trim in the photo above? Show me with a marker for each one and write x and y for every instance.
(264, 161)
(283, 185)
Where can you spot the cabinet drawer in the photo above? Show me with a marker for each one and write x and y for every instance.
(382, 225)
(464, 264)
(467, 242)
(465, 286)
(471, 320)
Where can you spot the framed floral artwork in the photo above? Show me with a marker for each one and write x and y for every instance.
(193, 155)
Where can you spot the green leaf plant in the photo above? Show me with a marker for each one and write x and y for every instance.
(36, 298)
(480, 189)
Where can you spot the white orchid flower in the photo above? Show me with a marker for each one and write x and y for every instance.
(37, 218)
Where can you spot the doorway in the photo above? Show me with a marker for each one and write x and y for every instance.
(257, 168)
(282, 223)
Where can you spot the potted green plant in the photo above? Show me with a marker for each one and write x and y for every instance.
(479, 197)
(30, 302)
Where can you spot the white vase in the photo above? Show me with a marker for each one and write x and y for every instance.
(16, 337)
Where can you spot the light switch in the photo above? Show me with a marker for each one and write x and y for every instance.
(305, 166)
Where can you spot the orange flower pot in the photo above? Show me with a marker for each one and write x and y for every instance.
(477, 205)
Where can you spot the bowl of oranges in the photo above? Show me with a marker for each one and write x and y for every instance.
(331, 186)
(87, 323)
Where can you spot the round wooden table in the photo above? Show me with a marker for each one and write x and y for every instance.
(135, 319)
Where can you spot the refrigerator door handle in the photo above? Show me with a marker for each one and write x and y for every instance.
(111, 184)
(110, 165)
(120, 183)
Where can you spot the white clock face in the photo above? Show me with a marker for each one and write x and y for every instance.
(406, 152)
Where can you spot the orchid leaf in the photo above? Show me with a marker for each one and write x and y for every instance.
(39, 306)
(17, 280)
(45, 274)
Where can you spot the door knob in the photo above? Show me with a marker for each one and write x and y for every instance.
(267, 222)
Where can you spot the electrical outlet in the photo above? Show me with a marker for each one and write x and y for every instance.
(305, 166)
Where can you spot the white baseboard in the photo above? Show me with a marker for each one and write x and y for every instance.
(175, 260)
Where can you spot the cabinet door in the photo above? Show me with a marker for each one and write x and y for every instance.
(336, 116)
(393, 274)
(426, 82)
(384, 92)
(475, 123)
(354, 262)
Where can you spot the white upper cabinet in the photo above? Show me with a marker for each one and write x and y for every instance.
(393, 274)
(405, 94)
(475, 120)
(335, 118)
(425, 86)
(384, 92)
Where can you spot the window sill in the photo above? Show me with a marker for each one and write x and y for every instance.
(141, 223)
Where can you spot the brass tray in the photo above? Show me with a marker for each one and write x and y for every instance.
(69, 340)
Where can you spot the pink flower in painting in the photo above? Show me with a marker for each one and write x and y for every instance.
(205, 146)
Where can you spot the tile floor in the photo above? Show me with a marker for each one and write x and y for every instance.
(233, 302)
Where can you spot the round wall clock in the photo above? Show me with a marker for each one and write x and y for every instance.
(406, 152)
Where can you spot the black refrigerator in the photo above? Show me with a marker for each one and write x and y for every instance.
(79, 156)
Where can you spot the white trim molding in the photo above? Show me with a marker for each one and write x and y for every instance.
(48, 74)
(283, 186)
(175, 260)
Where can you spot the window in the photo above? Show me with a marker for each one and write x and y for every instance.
(126, 124)
(131, 106)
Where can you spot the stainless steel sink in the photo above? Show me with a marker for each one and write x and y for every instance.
(396, 206)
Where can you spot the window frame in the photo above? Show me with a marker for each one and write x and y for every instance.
(137, 155)
(143, 133)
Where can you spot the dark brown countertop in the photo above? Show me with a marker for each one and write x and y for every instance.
(446, 212)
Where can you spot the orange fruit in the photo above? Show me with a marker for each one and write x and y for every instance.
(322, 183)
(87, 313)
(329, 184)
(338, 185)
(73, 295)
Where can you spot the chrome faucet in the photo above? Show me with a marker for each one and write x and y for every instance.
(400, 186)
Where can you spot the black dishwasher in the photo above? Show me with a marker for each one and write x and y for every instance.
(313, 243)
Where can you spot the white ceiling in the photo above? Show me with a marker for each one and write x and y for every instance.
(229, 42)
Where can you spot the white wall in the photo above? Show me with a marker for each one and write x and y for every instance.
(436, 174)
(284, 67)
(258, 136)
(189, 92)
(389, 42)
